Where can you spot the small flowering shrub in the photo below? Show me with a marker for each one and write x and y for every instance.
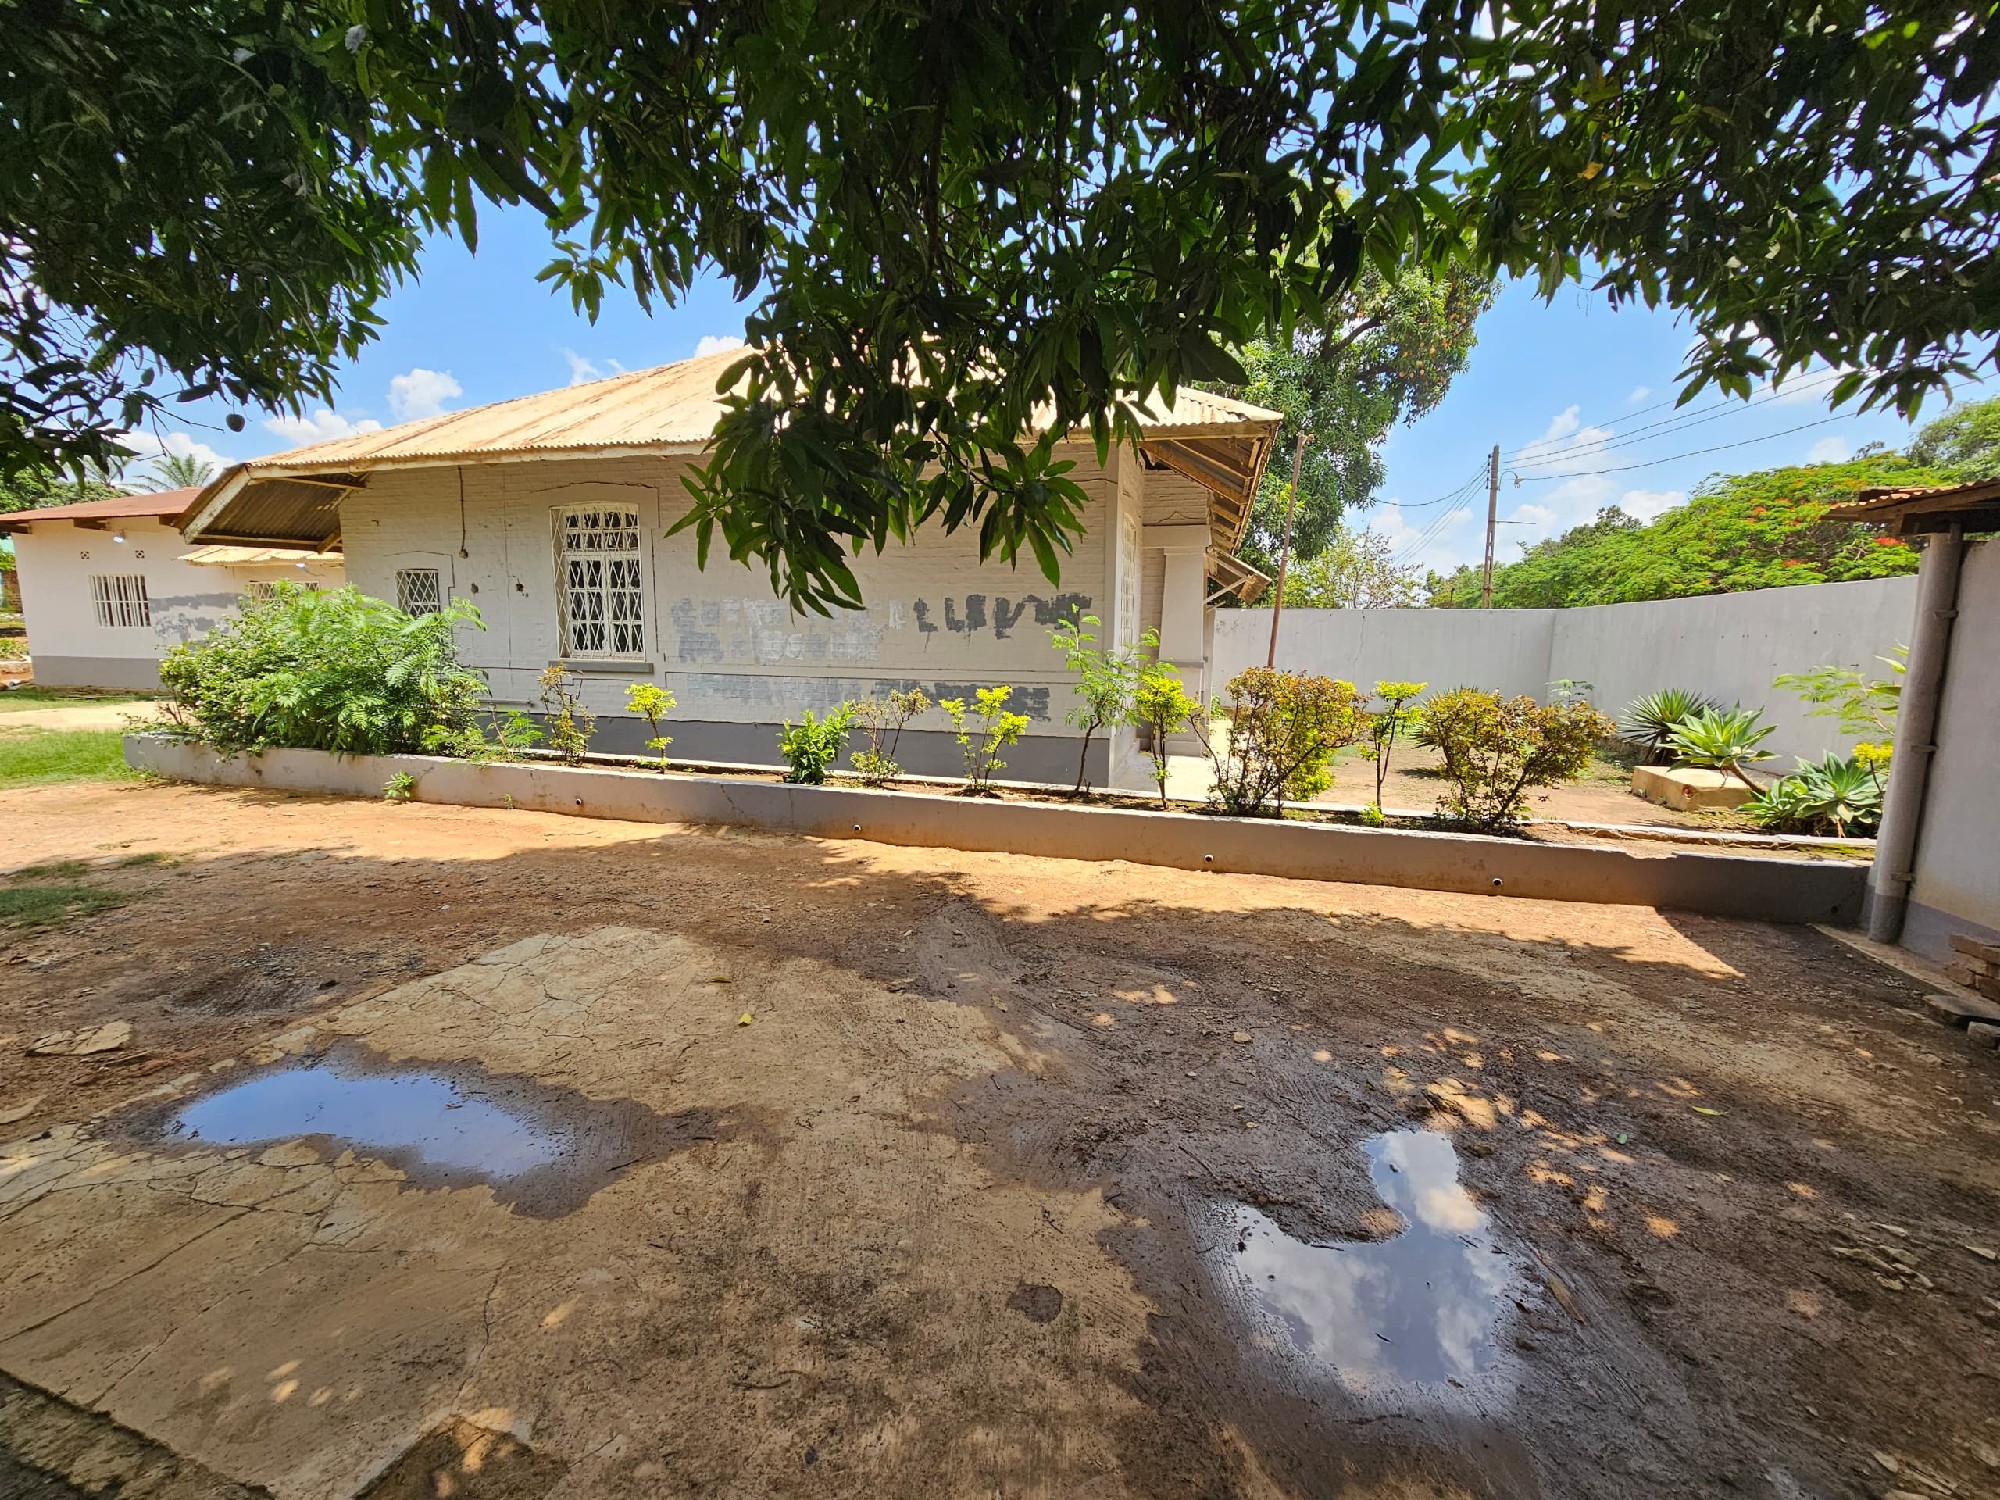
(1496, 749)
(1275, 736)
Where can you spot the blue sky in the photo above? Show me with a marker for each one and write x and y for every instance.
(1570, 389)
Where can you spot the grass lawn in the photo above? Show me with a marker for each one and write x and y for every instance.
(43, 905)
(43, 697)
(30, 757)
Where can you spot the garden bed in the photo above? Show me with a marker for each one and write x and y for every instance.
(1767, 888)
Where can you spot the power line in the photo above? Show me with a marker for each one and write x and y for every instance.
(1815, 382)
(1677, 457)
(1655, 430)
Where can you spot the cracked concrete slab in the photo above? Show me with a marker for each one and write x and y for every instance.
(301, 1318)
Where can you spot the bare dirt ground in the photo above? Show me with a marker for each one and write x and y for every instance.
(893, 1172)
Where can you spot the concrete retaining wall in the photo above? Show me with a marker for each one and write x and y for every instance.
(1715, 884)
(1729, 646)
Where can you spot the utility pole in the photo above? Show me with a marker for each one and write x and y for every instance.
(1285, 547)
(1492, 520)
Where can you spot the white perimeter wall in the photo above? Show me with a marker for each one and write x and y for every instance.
(1957, 887)
(1729, 646)
(56, 561)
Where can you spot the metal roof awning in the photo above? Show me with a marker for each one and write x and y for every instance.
(1927, 508)
(248, 557)
(1230, 574)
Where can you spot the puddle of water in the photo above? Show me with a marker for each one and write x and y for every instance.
(424, 1115)
(1418, 1309)
(544, 1150)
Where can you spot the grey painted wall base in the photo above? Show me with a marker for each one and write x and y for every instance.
(138, 673)
(1773, 890)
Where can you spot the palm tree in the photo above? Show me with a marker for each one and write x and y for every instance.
(179, 471)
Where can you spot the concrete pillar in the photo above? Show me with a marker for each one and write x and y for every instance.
(1183, 610)
(1890, 877)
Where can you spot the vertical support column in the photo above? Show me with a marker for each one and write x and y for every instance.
(1183, 611)
(1894, 869)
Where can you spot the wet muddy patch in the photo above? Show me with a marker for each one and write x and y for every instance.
(543, 1150)
(1417, 1311)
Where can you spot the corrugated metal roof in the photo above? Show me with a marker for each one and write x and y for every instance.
(167, 504)
(247, 557)
(1975, 493)
(668, 407)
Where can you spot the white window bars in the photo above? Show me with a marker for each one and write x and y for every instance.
(419, 591)
(120, 600)
(599, 587)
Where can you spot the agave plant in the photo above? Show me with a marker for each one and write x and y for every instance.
(1722, 739)
(1843, 795)
(1651, 719)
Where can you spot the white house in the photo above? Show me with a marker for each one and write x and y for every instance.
(108, 585)
(550, 514)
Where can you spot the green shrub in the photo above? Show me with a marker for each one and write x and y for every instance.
(1651, 719)
(1277, 738)
(995, 729)
(1386, 725)
(652, 703)
(1863, 709)
(399, 788)
(1722, 739)
(326, 671)
(1105, 681)
(1161, 706)
(1833, 795)
(881, 722)
(570, 724)
(811, 747)
(1495, 749)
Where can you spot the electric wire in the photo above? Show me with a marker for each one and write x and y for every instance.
(1675, 459)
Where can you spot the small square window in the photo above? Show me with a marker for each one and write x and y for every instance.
(419, 591)
(120, 601)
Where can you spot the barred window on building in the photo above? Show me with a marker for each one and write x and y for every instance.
(601, 592)
(120, 600)
(419, 591)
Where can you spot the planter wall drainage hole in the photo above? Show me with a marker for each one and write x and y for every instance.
(542, 1149)
(1416, 1310)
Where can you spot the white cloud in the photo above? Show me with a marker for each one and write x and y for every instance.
(422, 393)
(580, 369)
(150, 445)
(1404, 534)
(1828, 450)
(717, 343)
(323, 426)
(1639, 393)
(1531, 515)
(1808, 385)
(1646, 505)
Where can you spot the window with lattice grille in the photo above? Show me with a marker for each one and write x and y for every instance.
(120, 600)
(600, 590)
(419, 591)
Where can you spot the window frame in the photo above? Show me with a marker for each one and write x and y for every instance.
(638, 589)
(111, 599)
(438, 591)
